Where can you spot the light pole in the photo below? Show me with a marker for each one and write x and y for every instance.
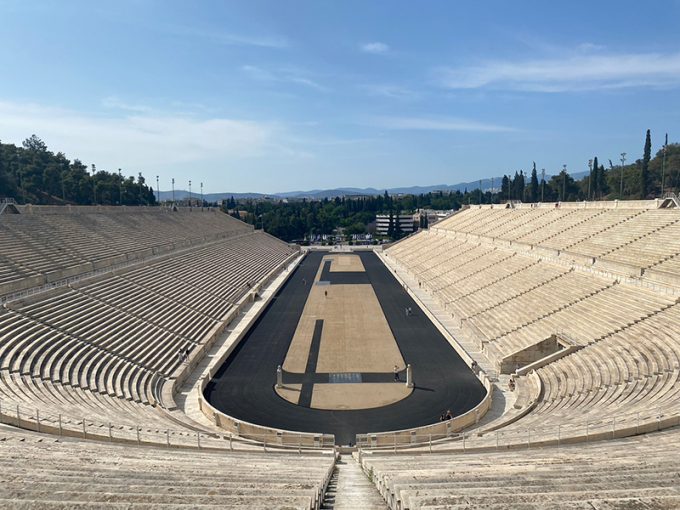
(201, 195)
(189, 194)
(158, 192)
(590, 176)
(120, 186)
(663, 167)
(564, 182)
(173, 192)
(480, 191)
(623, 162)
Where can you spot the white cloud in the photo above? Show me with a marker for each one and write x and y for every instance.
(573, 73)
(137, 141)
(376, 48)
(282, 76)
(436, 124)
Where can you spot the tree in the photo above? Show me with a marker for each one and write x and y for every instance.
(533, 190)
(33, 143)
(592, 178)
(505, 188)
(644, 171)
(601, 183)
(390, 225)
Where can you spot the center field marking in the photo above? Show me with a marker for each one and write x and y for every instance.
(356, 336)
(342, 331)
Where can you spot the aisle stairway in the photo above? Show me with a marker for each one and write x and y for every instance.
(350, 489)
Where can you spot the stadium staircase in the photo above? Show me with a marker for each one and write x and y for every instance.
(351, 489)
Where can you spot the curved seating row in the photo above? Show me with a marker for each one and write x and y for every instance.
(99, 348)
(43, 472)
(612, 474)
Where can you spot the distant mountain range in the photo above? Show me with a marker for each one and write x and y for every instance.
(320, 194)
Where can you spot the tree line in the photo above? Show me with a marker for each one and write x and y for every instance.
(34, 174)
(643, 179)
(297, 219)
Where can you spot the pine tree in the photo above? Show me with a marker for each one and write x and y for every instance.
(644, 174)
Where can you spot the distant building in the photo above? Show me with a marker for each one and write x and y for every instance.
(432, 215)
(382, 223)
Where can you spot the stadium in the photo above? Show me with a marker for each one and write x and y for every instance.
(339, 255)
(175, 356)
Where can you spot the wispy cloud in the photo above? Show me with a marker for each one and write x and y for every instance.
(138, 141)
(377, 48)
(436, 124)
(573, 73)
(293, 76)
(229, 38)
(589, 46)
(115, 103)
(391, 91)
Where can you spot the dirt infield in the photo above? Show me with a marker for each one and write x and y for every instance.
(355, 338)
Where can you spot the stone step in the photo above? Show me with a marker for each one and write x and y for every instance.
(351, 489)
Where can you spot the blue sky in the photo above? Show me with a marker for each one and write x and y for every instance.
(282, 95)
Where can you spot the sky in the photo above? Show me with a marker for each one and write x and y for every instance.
(282, 95)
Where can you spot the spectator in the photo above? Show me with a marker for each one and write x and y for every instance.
(396, 373)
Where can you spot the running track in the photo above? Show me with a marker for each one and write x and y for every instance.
(244, 386)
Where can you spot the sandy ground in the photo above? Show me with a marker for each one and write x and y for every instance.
(349, 262)
(355, 338)
(357, 395)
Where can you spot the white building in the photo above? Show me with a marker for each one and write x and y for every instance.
(382, 223)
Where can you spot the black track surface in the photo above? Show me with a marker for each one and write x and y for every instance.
(244, 385)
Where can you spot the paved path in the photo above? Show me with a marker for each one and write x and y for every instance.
(244, 386)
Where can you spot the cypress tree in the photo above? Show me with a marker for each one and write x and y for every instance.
(644, 174)
(505, 188)
(601, 181)
(534, 184)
